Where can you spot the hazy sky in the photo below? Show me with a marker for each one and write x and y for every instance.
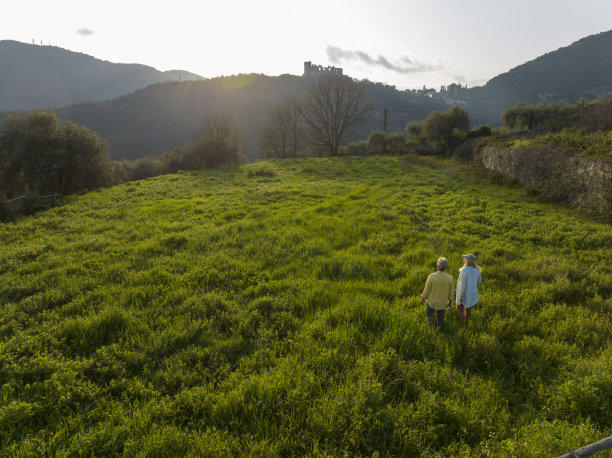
(406, 43)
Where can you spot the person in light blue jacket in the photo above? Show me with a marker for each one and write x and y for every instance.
(467, 287)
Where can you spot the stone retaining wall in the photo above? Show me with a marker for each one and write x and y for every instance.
(553, 172)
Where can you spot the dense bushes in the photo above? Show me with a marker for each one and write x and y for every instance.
(358, 148)
(40, 155)
(42, 160)
(592, 116)
(219, 145)
(528, 117)
(378, 143)
(441, 128)
(26, 204)
(385, 143)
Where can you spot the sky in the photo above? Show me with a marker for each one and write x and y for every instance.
(408, 44)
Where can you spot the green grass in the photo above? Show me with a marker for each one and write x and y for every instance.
(273, 310)
(596, 145)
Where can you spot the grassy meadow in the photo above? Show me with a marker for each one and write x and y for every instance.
(273, 310)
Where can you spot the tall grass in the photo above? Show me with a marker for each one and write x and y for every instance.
(273, 310)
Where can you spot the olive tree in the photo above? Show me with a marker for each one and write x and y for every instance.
(523, 117)
(41, 155)
(86, 163)
(552, 117)
(377, 142)
(396, 142)
(442, 127)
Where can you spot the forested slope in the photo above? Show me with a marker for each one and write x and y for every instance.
(580, 70)
(163, 116)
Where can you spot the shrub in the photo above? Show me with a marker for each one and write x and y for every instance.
(482, 131)
(384, 143)
(466, 151)
(262, 170)
(359, 148)
(144, 168)
(396, 142)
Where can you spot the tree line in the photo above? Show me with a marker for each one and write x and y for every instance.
(322, 122)
(43, 159)
(591, 116)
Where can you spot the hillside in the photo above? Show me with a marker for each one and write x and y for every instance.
(273, 310)
(583, 69)
(162, 116)
(157, 118)
(33, 77)
(580, 70)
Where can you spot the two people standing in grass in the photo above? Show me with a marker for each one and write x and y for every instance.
(438, 292)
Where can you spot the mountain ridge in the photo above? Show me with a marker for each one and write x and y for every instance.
(157, 113)
(582, 69)
(593, 51)
(42, 76)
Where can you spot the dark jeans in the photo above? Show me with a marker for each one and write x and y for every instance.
(430, 316)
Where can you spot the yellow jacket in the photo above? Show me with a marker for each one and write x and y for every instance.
(439, 289)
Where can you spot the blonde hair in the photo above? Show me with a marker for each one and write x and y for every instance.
(467, 262)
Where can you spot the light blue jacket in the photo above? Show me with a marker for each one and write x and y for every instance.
(469, 278)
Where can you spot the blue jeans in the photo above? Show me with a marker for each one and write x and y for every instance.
(439, 315)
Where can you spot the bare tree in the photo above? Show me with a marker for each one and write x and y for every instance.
(333, 107)
(282, 133)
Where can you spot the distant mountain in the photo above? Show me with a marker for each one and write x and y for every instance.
(33, 76)
(580, 70)
(162, 116)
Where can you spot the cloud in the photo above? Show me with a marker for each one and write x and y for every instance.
(403, 65)
(85, 32)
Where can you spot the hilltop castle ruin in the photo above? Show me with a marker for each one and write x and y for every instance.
(318, 70)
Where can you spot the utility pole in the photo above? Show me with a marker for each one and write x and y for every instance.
(385, 123)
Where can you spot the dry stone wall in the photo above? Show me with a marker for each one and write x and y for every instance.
(553, 172)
